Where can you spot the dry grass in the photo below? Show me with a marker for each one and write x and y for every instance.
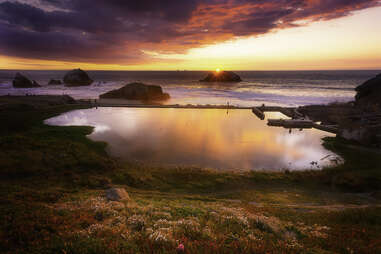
(53, 180)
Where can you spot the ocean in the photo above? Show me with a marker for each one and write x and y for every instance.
(281, 88)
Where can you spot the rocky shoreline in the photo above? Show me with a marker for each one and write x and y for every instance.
(56, 178)
(358, 121)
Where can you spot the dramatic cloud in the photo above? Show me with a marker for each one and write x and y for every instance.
(116, 31)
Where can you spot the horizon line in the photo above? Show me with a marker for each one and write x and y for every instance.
(185, 70)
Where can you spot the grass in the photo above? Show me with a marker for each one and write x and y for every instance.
(361, 171)
(53, 180)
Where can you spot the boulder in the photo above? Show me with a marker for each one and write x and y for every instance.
(222, 76)
(137, 91)
(35, 84)
(117, 194)
(369, 93)
(55, 82)
(20, 81)
(77, 77)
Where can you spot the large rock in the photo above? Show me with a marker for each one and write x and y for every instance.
(137, 91)
(55, 82)
(77, 77)
(369, 93)
(117, 194)
(222, 76)
(20, 81)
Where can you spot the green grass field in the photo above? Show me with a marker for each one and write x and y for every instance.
(52, 199)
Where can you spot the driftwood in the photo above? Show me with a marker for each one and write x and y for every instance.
(288, 111)
(258, 113)
(291, 123)
(328, 128)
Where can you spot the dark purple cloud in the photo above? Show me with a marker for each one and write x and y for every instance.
(117, 30)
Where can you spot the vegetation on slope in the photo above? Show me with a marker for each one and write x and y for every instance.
(53, 180)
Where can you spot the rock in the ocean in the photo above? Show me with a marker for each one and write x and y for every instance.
(55, 82)
(137, 91)
(117, 194)
(77, 77)
(35, 84)
(369, 93)
(222, 76)
(20, 81)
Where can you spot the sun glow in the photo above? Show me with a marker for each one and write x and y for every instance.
(350, 42)
(218, 70)
(334, 44)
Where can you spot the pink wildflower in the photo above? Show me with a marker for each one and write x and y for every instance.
(180, 248)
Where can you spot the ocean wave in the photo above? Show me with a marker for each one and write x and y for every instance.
(275, 88)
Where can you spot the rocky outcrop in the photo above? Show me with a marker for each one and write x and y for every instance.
(77, 77)
(35, 84)
(369, 93)
(222, 76)
(117, 194)
(55, 82)
(20, 81)
(331, 114)
(137, 91)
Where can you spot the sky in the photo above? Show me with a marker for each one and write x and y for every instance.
(190, 34)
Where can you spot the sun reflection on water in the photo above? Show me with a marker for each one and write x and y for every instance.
(206, 138)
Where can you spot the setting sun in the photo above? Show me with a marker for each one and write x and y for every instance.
(218, 70)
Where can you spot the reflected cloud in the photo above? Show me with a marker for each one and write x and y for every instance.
(206, 138)
(79, 119)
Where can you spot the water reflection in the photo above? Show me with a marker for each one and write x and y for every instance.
(206, 138)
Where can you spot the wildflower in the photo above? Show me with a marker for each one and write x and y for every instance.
(137, 222)
(161, 235)
(180, 248)
(94, 228)
(162, 223)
